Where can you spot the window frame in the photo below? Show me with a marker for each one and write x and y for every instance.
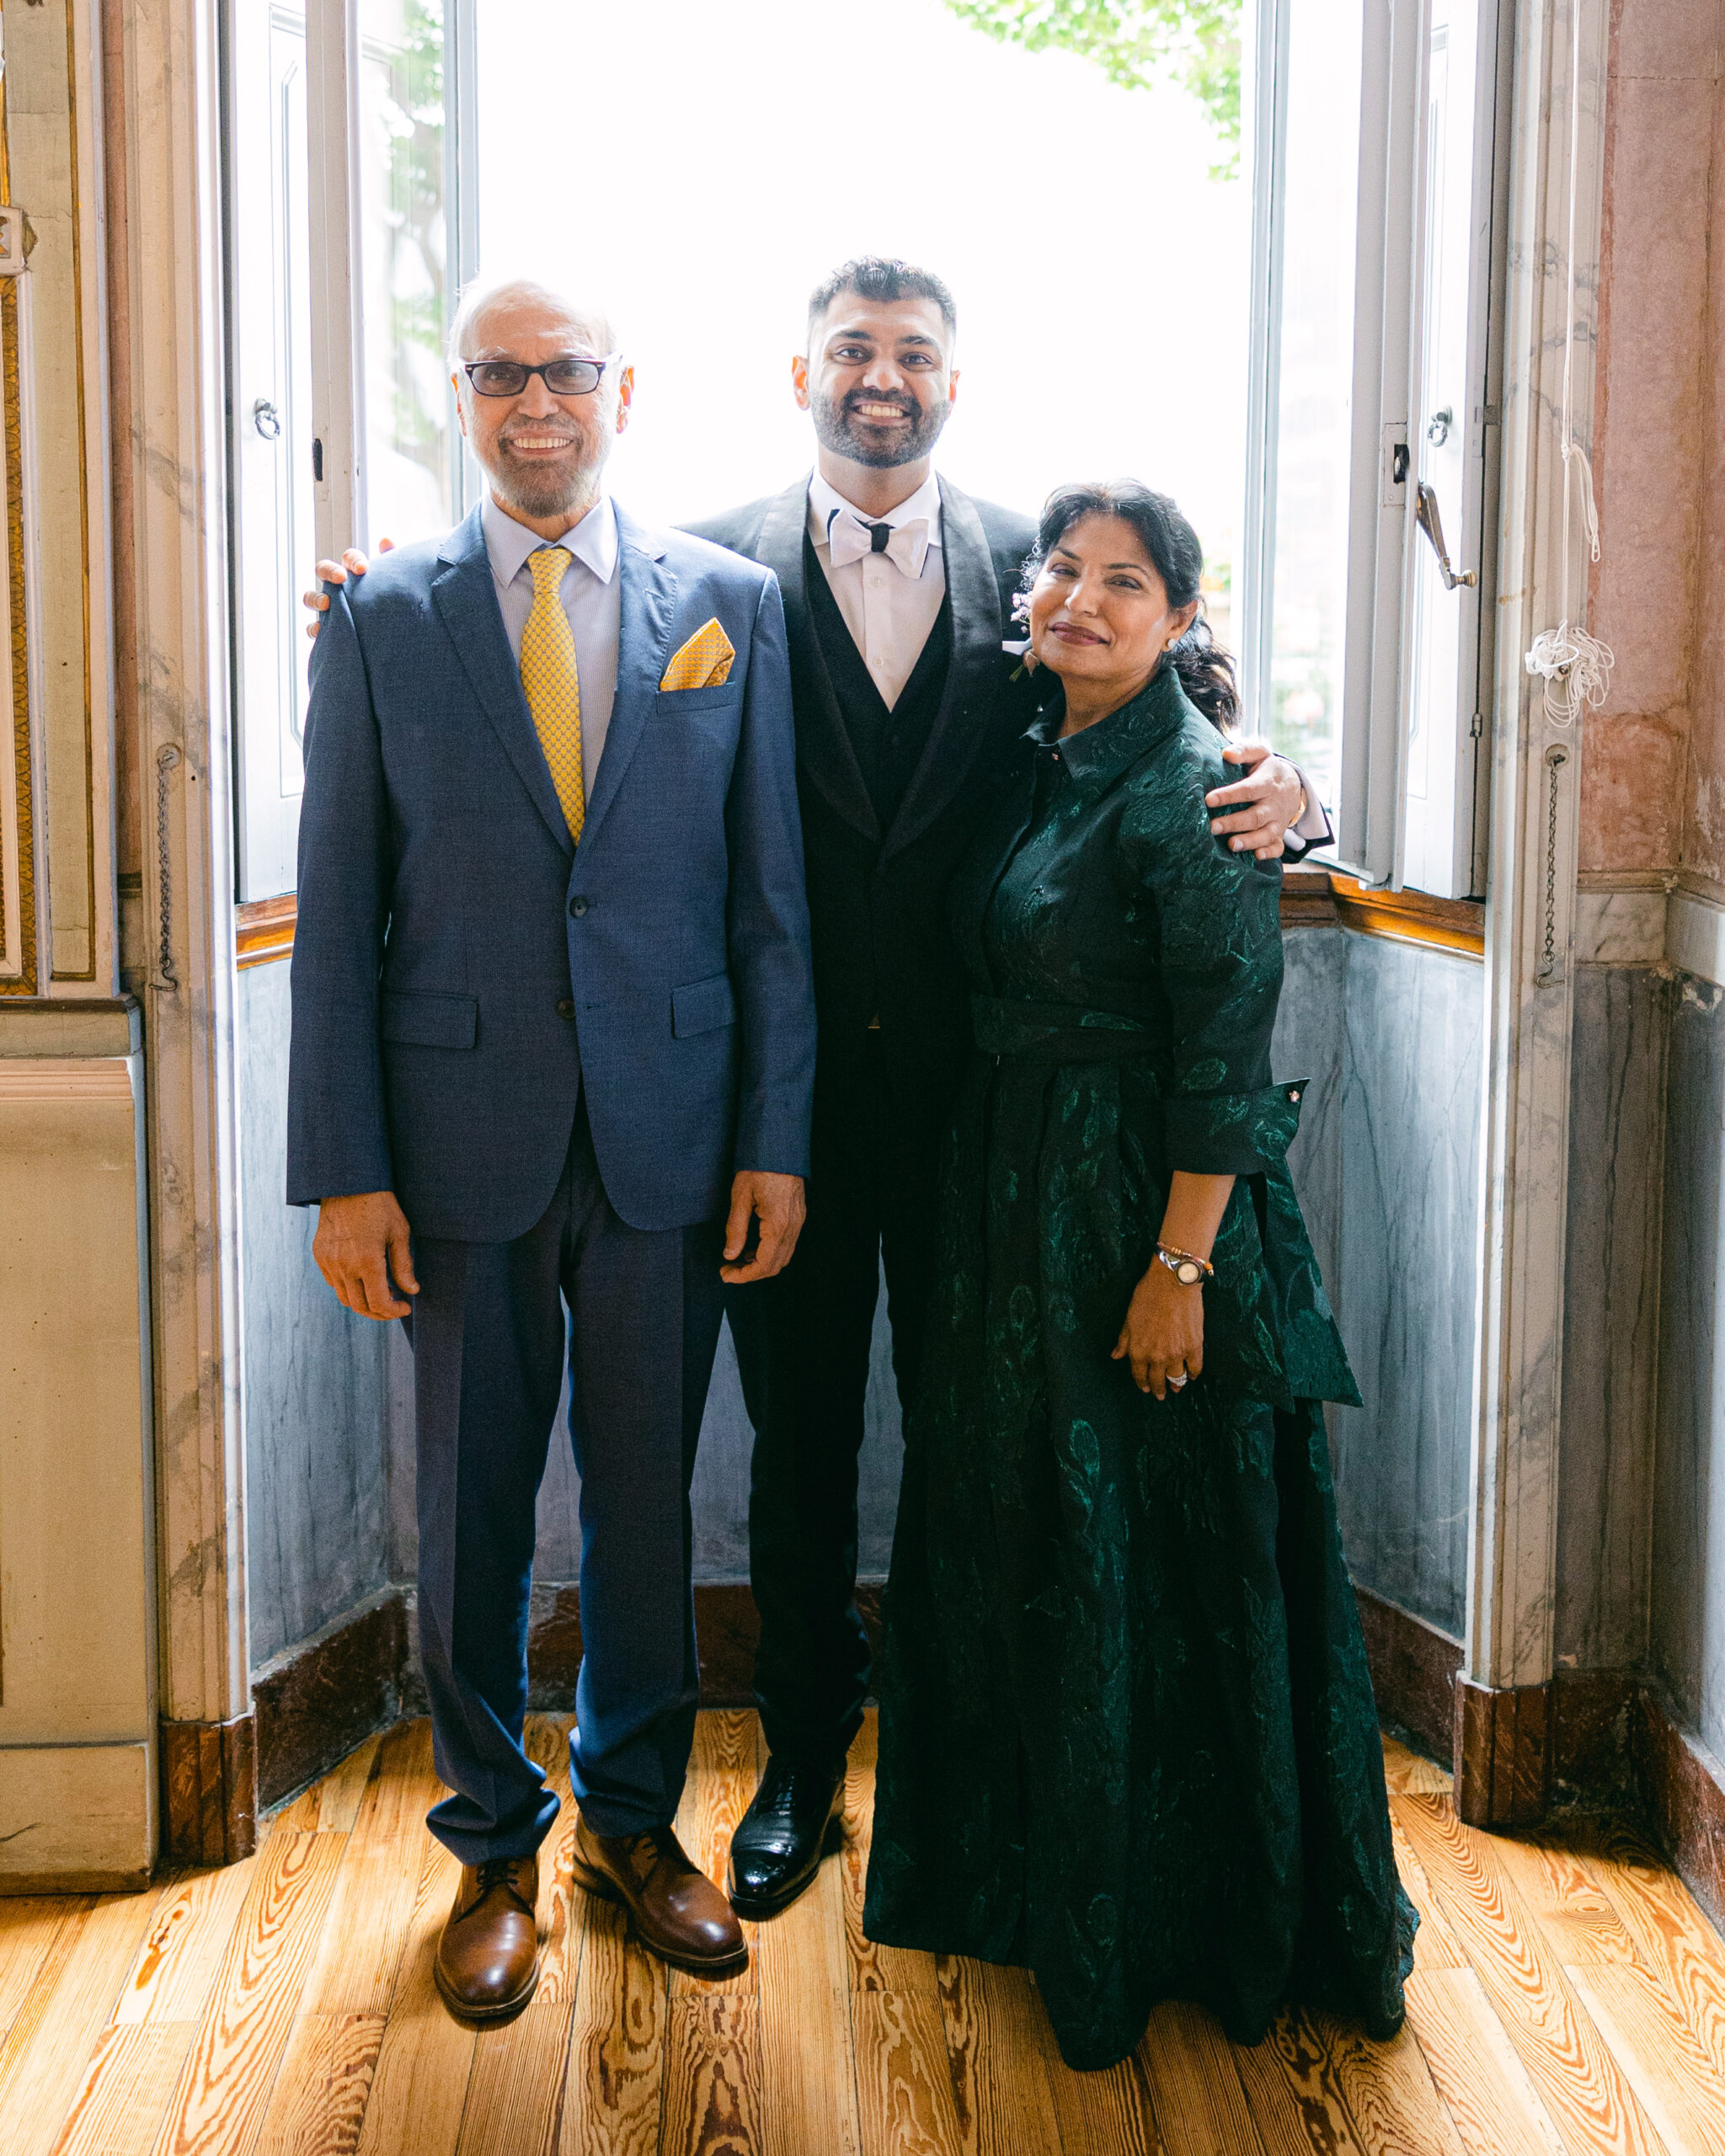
(339, 417)
(1372, 817)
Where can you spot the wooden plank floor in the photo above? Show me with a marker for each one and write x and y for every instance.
(1569, 1998)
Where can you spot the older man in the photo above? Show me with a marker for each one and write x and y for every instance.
(553, 1042)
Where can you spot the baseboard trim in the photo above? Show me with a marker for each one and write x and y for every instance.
(1682, 1790)
(1504, 1747)
(726, 1629)
(32, 1883)
(1413, 1671)
(1588, 1736)
(208, 1790)
(319, 1699)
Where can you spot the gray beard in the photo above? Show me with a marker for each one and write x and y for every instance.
(835, 430)
(536, 491)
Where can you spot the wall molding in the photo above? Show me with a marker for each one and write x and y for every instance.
(1554, 221)
(208, 1790)
(1676, 920)
(1621, 924)
(1695, 935)
(1312, 898)
(167, 287)
(264, 930)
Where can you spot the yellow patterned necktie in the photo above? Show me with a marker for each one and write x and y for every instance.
(553, 685)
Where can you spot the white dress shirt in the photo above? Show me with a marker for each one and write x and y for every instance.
(592, 598)
(888, 612)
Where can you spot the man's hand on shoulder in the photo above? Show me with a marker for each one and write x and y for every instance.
(362, 1250)
(776, 1202)
(1263, 806)
(353, 562)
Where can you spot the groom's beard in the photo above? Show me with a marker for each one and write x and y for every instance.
(863, 442)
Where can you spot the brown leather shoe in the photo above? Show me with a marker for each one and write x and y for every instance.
(677, 1912)
(488, 1959)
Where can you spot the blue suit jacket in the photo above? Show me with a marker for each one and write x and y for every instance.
(461, 971)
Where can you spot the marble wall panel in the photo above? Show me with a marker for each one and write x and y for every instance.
(1610, 1314)
(1687, 1608)
(1308, 1044)
(719, 1498)
(317, 1384)
(1410, 1118)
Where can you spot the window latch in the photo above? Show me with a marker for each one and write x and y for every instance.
(1399, 461)
(1431, 523)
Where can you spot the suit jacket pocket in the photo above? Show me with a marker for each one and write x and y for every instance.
(702, 1006)
(685, 704)
(429, 1020)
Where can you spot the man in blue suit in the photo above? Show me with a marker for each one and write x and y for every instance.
(553, 1041)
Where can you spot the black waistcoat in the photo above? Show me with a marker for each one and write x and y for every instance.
(889, 743)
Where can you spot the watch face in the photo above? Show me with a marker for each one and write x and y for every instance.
(1187, 1274)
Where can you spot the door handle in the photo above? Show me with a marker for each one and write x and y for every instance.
(1431, 523)
(266, 420)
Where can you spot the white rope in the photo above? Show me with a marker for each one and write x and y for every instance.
(1575, 667)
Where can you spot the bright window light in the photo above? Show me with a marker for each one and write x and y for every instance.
(698, 169)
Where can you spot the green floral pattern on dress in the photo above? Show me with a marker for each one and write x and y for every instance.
(1128, 1735)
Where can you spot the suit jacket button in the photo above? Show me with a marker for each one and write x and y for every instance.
(565, 1007)
(577, 906)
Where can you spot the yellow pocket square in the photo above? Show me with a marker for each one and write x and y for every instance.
(704, 661)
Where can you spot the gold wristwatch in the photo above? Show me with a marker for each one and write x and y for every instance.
(1189, 1271)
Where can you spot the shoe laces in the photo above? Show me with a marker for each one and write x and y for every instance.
(497, 1871)
(781, 1797)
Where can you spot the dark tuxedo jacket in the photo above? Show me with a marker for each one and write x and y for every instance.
(882, 940)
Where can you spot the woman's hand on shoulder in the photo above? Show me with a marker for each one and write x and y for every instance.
(1162, 1338)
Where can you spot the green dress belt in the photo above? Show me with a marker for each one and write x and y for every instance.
(1007, 1025)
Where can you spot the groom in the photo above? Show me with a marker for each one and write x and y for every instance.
(898, 590)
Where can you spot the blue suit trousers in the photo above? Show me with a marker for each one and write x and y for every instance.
(489, 1336)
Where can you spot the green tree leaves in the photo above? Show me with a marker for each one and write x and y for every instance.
(1195, 43)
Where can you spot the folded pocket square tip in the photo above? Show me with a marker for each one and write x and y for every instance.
(704, 662)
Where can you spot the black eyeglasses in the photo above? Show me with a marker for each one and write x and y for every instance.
(564, 378)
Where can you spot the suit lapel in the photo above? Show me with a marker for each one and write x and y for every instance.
(649, 595)
(961, 724)
(823, 745)
(1009, 821)
(465, 597)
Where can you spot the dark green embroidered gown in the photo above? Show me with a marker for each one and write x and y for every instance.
(1127, 1730)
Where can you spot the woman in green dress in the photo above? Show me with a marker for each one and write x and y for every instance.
(1127, 1731)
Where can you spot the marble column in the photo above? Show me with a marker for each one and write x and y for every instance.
(1553, 212)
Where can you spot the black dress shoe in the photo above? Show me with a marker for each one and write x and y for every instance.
(796, 1818)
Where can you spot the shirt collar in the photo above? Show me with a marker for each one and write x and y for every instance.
(825, 501)
(1097, 755)
(592, 541)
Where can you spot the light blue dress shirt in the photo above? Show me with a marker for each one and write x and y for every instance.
(592, 599)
